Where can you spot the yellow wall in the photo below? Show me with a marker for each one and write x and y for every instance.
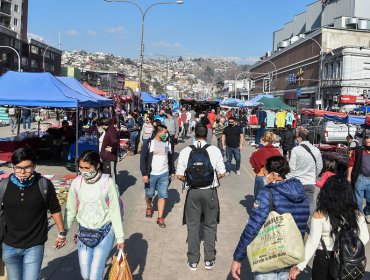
(133, 85)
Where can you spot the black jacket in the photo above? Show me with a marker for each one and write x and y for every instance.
(287, 140)
(146, 159)
(357, 166)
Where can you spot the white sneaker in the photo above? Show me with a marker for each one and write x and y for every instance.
(227, 173)
(209, 264)
(192, 266)
(238, 172)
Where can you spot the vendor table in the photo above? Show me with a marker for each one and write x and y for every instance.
(81, 148)
(8, 147)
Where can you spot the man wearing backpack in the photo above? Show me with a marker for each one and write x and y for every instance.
(25, 198)
(199, 167)
(156, 166)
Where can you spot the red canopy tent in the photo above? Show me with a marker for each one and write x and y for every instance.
(321, 113)
(97, 91)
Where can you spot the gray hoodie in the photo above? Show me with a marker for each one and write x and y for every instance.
(172, 126)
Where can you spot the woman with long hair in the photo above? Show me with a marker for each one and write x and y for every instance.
(335, 205)
(93, 200)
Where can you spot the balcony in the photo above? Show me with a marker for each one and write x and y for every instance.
(6, 10)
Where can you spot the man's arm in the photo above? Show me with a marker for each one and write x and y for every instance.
(241, 141)
(223, 139)
(176, 128)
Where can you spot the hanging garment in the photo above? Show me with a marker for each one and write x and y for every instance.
(289, 118)
(253, 120)
(261, 117)
(270, 120)
(280, 119)
(295, 122)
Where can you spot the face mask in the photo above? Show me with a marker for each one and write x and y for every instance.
(231, 124)
(100, 130)
(265, 180)
(367, 148)
(164, 137)
(90, 174)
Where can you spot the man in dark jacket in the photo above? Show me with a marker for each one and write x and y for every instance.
(156, 166)
(359, 175)
(108, 146)
(287, 141)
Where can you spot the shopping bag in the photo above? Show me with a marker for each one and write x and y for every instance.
(278, 244)
(120, 269)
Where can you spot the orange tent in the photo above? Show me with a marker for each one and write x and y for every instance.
(321, 113)
(96, 90)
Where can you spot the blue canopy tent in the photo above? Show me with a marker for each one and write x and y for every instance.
(231, 102)
(77, 86)
(365, 109)
(349, 119)
(39, 90)
(146, 98)
(160, 97)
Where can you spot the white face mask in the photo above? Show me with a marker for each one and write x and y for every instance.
(100, 130)
(90, 174)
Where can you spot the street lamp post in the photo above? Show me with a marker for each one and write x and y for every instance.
(236, 79)
(43, 58)
(143, 14)
(19, 58)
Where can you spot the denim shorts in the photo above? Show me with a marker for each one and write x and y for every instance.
(159, 183)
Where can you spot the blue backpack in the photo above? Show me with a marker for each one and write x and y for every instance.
(199, 172)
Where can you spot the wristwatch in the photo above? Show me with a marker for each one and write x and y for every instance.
(62, 234)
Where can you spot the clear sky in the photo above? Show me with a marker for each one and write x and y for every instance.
(240, 29)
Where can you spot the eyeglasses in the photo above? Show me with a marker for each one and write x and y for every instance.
(27, 168)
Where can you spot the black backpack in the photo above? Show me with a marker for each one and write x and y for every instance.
(349, 260)
(199, 172)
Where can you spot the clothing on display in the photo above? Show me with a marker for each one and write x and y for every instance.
(261, 117)
(253, 120)
(295, 122)
(280, 119)
(289, 118)
(270, 120)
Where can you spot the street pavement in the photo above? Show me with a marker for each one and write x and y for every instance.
(160, 254)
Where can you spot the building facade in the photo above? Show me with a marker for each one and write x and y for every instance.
(318, 57)
(108, 81)
(14, 16)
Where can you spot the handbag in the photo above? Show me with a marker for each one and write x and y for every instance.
(278, 244)
(120, 269)
(92, 237)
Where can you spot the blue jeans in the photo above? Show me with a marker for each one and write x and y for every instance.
(281, 274)
(23, 264)
(258, 185)
(362, 189)
(159, 182)
(310, 194)
(92, 260)
(230, 152)
(133, 136)
(26, 119)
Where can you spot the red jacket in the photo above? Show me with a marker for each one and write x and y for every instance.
(212, 118)
(259, 157)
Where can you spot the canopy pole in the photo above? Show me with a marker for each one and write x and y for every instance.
(76, 163)
(18, 120)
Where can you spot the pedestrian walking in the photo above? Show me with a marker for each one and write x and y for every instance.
(146, 132)
(336, 206)
(287, 141)
(132, 127)
(25, 199)
(288, 196)
(93, 200)
(172, 127)
(108, 147)
(232, 143)
(26, 117)
(156, 166)
(185, 118)
(219, 130)
(359, 175)
(305, 165)
(200, 166)
(13, 118)
(259, 157)
(329, 170)
(212, 117)
(160, 116)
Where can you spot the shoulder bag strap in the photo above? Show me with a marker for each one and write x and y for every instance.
(3, 185)
(43, 186)
(272, 206)
(308, 150)
(325, 249)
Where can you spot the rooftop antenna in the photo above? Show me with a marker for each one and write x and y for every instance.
(59, 42)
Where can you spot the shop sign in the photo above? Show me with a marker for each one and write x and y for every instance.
(351, 99)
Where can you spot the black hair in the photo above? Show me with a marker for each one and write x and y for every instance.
(104, 121)
(65, 122)
(277, 164)
(201, 131)
(330, 165)
(367, 137)
(21, 154)
(91, 157)
(159, 128)
(336, 201)
(232, 118)
(288, 127)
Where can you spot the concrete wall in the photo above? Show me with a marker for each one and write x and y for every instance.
(362, 9)
(336, 38)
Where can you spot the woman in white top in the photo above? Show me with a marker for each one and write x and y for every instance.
(335, 204)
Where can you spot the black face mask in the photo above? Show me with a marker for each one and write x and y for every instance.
(231, 124)
(367, 148)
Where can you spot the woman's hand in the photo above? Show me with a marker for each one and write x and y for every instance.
(294, 271)
(235, 270)
(60, 242)
(121, 246)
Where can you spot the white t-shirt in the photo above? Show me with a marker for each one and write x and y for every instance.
(160, 157)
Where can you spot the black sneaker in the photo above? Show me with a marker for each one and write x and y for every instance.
(209, 264)
(192, 266)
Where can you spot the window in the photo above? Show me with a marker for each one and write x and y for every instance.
(16, 8)
(335, 71)
(52, 68)
(4, 57)
(326, 71)
(52, 55)
(24, 61)
(33, 64)
(15, 22)
(339, 70)
(34, 50)
(46, 54)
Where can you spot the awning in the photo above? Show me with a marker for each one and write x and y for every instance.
(96, 90)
